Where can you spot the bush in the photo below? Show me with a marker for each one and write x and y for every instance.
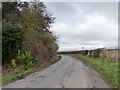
(26, 58)
(12, 37)
(13, 62)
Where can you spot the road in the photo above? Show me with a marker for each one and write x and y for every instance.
(69, 72)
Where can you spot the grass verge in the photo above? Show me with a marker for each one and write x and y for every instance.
(25, 71)
(108, 68)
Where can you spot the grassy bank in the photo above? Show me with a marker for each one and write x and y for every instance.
(107, 68)
(25, 71)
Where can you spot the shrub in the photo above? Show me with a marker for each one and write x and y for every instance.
(12, 37)
(13, 62)
(26, 58)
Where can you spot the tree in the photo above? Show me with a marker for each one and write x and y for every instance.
(12, 37)
(8, 8)
(27, 27)
(38, 9)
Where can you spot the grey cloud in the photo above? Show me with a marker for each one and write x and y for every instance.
(66, 10)
(77, 26)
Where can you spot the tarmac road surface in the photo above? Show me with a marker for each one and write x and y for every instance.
(68, 72)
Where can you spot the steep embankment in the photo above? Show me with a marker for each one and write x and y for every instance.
(28, 43)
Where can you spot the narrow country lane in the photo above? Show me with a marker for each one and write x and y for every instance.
(66, 73)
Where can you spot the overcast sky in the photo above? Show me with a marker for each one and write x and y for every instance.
(85, 24)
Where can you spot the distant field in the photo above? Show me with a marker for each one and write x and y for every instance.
(100, 52)
(108, 68)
